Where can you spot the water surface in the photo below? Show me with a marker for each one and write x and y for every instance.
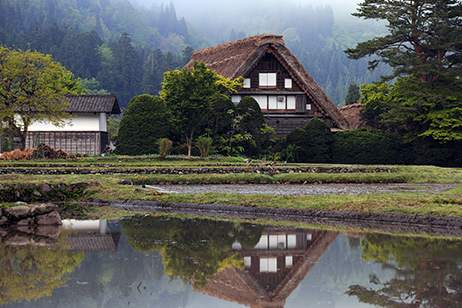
(167, 261)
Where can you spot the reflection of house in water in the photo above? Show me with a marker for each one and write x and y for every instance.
(90, 235)
(273, 269)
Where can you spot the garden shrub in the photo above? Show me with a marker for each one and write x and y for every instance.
(319, 141)
(143, 123)
(360, 146)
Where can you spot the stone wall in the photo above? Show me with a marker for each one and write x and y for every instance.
(268, 169)
(38, 224)
(41, 193)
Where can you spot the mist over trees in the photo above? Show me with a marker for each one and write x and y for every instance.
(85, 36)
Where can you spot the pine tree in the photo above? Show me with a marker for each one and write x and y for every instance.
(353, 94)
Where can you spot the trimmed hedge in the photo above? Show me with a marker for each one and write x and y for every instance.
(143, 123)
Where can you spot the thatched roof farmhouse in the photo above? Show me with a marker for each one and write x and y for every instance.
(287, 94)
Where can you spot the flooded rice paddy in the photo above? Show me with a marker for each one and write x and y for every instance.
(171, 261)
(299, 190)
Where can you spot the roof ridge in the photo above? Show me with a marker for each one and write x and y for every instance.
(258, 39)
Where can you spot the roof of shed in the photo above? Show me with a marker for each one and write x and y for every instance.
(238, 58)
(92, 103)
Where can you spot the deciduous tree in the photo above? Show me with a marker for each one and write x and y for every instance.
(32, 89)
(188, 94)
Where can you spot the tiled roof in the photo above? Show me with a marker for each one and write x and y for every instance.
(106, 103)
(238, 58)
(94, 242)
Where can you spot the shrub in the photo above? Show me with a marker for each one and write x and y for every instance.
(165, 145)
(362, 147)
(143, 123)
(204, 144)
(319, 141)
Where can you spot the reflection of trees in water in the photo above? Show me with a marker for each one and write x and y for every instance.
(31, 272)
(193, 250)
(427, 272)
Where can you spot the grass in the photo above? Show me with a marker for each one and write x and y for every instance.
(412, 202)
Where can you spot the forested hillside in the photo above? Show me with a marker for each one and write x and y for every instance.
(111, 45)
(125, 48)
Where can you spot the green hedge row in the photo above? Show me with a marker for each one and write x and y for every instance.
(315, 143)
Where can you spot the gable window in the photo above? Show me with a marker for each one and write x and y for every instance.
(267, 79)
(247, 83)
(288, 83)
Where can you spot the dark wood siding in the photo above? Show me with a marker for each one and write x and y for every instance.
(269, 64)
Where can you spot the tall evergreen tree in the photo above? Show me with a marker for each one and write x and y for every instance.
(353, 94)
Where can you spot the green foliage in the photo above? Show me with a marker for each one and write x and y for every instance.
(374, 147)
(165, 145)
(353, 94)
(204, 144)
(251, 124)
(319, 141)
(32, 89)
(187, 94)
(143, 123)
(424, 38)
(193, 250)
(425, 270)
(310, 144)
(29, 273)
(113, 124)
(415, 109)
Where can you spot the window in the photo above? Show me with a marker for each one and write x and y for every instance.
(289, 261)
(247, 262)
(272, 102)
(267, 79)
(262, 101)
(288, 83)
(268, 265)
(247, 83)
(291, 102)
(235, 98)
(281, 102)
(308, 106)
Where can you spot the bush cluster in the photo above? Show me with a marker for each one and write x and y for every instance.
(315, 143)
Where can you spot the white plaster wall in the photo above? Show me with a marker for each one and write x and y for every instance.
(80, 122)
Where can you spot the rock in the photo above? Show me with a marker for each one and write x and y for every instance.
(49, 231)
(46, 188)
(37, 193)
(43, 208)
(18, 241)
(24, 222)
(125, 182)
(25, 229)
(3, 220)
(45, 242)
(52, 218)
(17, 211)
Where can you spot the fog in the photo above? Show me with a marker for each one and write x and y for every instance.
(190, 9)
(216, 19)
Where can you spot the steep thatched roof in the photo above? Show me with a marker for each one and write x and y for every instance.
(240, 286)
(238, 58)
(99, 103)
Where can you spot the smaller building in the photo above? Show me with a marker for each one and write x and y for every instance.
(87, 131)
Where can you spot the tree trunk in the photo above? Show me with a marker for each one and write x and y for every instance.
(22, 140)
